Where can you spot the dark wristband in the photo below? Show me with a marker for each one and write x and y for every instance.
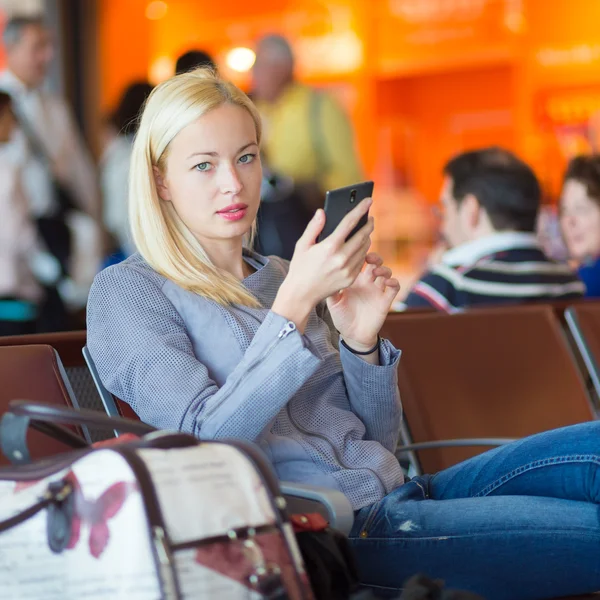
(362, 353)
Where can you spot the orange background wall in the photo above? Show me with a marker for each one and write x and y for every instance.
(432, 77)
(439, 114)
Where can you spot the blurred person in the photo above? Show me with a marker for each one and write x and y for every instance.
(29, 52)
(308, 137)
(490, 202)
(282, 216)
(192, 59)
(580, 219)
(59, 179)
(114, 166)
(20, 293)
(200, 334)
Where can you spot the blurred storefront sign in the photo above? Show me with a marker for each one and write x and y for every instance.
(418, 35)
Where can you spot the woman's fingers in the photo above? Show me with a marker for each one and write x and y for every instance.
(358, 240)
(374, 259)
(392, 287)
(357, 262)
(380, 283)
(313, 229)
(382, 271)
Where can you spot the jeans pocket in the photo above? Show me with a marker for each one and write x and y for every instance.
(373, 512)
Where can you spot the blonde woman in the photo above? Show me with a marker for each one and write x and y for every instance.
(199, 334)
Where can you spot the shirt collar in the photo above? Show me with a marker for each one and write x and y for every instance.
(257, 261)
(471, 252)
(13, 83)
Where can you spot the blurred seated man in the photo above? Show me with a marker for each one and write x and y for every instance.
(307, 136)
(490, 202)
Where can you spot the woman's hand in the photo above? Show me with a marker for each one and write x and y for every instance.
(359, 311)
(318, 270)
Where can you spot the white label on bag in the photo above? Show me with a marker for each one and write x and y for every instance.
(207, 490)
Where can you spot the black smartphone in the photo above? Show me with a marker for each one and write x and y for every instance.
(339, 202)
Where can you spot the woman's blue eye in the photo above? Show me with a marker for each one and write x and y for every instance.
(205, 166)
(247, 158)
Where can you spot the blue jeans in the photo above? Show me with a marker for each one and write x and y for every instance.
(520, 522)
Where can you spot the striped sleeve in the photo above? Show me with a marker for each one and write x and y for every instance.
(435, 291)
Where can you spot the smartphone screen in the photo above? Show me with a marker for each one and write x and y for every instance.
(339, 202)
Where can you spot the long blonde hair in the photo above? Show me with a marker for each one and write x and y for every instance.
(159, 234)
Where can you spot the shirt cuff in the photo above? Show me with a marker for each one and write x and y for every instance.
(388, 356)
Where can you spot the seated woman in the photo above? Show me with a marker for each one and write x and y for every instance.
(198, 334)
(580, 219)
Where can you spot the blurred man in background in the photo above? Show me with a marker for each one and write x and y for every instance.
(194, 59)
(307, 136)
(490, 204)
(308, 148)
(29, 52)
(59, 179)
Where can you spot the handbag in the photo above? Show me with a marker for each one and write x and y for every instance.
(328, 558)
(162, 516)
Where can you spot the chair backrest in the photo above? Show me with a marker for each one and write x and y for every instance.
(584, 324)
(113, 406)
(35, 372)
(502, 372)
(68, 344)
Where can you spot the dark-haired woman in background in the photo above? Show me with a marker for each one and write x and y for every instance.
(114, 174)
(580, 218)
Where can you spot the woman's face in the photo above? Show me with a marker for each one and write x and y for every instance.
(213, 175)
(580, 221)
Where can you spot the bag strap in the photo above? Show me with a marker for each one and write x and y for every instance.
(57, 492)
(50, 419)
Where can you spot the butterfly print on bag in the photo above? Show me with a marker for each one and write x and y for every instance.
(97, 513)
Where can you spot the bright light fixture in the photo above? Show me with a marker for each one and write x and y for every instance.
(240, 59)
(162, 68)
(156, 10)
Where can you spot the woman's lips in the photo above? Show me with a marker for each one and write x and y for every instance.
(234, 212)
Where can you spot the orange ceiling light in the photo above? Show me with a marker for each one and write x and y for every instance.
(240, 59)
(156, 10)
